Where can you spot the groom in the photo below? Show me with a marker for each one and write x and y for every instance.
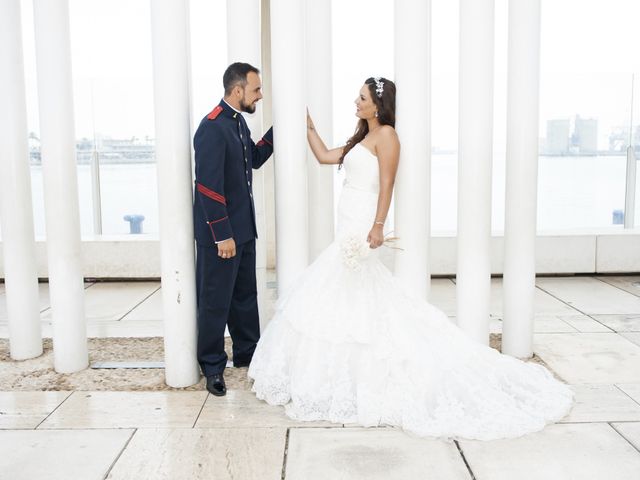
(225, 226)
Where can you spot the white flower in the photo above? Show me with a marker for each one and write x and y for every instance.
(354, 250)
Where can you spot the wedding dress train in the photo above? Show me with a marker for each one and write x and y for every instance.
(348, 345)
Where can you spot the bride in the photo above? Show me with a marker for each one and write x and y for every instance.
(348, 345)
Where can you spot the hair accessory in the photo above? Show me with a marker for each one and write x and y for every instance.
(379, 87)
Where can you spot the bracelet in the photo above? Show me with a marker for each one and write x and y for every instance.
(378, 223)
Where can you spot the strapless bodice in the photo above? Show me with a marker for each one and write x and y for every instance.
(361, 168)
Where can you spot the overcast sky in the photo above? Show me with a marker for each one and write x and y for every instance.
(588, 53)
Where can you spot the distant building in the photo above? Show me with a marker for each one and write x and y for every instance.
(557, 142)
(573, 136)
(619, 139)
(107, 149)
(585, 135)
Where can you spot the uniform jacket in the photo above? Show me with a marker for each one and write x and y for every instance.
(225, 155)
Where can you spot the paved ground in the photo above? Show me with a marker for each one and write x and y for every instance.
(587, 331)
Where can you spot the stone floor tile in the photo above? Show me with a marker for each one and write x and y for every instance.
(374, 453)
(113, 300)
(602, 403)
(631, 389)
(551, 324)
(128, 410)
(149, 309)
(630, 431)
(633, 337)
(242, 409)
(620, 323)
(628, 283)
(590, 295)
(585, 324)
(585, 451)
(126, 328)
(107, 329)
(194, 454)
(59, 454)
(544, 304)
(27, 409)
(541, 324)
(581, 358)
(43, 299)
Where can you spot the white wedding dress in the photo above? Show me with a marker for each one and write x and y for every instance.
(348, 345)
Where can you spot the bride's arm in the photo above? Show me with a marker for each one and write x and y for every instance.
(388, 151)
(319, 149)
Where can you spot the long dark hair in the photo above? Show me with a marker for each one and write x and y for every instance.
(386, 104)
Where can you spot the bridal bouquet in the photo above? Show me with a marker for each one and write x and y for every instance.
(355, 250)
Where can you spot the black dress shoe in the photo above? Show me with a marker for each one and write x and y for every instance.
(215, 384)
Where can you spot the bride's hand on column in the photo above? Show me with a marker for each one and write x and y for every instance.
(319, 149)
(310, 125)
(376, 236)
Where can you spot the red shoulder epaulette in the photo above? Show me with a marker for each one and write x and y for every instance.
(214, 113)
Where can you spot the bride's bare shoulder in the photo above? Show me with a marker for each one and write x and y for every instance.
(386, 136)
(387, 131)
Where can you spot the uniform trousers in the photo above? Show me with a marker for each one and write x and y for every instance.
(227, 296)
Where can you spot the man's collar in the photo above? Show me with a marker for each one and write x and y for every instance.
(235, 110)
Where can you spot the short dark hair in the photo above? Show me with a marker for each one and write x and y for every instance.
(236, 74)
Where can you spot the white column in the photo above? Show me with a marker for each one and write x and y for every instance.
(55, 95)
(473, 276)
(244, 45)
(19, 248)
(171, 79)
(522, 177)
(320, 103)
(267, 118)
(289, 124)
(413, 113)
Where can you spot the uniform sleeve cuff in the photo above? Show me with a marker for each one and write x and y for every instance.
(221, 229)
(268, 137)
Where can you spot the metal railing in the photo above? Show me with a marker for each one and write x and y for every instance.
(630, 189)
(95, 193)
(145, 153)
(630, 184)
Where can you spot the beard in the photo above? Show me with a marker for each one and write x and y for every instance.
(247, 107)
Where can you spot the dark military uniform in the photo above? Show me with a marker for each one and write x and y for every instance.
(223, 208)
